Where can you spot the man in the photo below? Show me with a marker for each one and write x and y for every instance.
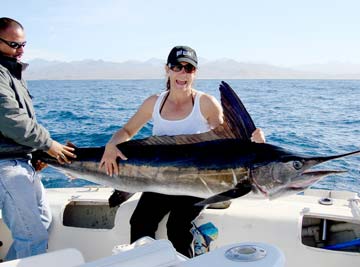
(22, 198)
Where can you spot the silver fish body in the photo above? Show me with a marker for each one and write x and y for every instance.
(200, 169)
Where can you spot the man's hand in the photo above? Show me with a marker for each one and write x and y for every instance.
(62, 152)
(39, 165)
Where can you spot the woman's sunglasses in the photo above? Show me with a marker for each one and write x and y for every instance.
(178, 67)
(14, 45)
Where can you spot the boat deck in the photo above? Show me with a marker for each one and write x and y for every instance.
(301, 226)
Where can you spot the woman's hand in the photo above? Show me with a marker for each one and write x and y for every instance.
(258, 136)
(108, 160)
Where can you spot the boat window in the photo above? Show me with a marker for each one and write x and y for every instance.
(89, 214)
(331, 234)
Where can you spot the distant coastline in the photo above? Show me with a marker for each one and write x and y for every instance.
(40, 69)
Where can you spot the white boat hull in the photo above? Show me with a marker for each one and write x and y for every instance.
(293, 224)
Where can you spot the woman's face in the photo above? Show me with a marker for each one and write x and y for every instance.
(181, 75)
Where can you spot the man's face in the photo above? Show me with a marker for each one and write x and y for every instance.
(12, 34)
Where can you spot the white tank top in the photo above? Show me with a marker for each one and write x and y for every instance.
(194, 123)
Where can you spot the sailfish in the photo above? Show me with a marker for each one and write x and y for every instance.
(218, 165)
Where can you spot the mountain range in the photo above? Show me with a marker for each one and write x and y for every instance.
(40, 69)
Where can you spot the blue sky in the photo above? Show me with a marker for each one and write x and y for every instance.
(279, 32)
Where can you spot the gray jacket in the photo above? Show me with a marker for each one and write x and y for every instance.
(20, 133)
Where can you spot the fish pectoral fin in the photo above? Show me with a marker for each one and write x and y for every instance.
(241, 189)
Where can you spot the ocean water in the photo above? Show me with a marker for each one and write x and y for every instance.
(315, 117)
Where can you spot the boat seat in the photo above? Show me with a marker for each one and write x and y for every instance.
(146, 252)
(69, 257)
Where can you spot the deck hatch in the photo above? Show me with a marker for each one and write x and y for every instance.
(89, 214)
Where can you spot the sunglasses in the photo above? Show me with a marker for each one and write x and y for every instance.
(178, 67)
(14, 45)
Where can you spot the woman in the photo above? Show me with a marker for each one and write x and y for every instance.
(179, 110)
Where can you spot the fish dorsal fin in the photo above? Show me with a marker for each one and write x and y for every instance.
(237, 124)
(218, 133)
(236, 117)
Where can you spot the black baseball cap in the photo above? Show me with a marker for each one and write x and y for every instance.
(182, 53)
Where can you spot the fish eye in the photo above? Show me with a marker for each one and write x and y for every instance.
(297, 164)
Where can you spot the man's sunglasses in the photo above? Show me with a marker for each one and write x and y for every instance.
(14, 45)
(178, 67)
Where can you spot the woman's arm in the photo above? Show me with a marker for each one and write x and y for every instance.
(211, 110)
(136, 122)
